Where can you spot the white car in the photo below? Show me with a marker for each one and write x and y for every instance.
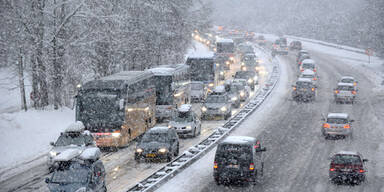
(186, 122)
(72, 142)
(309, 74)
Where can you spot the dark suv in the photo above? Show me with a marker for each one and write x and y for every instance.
(238, 158)
(158, 143)
(304, 90)
(347, 167)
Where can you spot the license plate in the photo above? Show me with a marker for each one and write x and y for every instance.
(346, 170)
(151, 155)
(233, 166)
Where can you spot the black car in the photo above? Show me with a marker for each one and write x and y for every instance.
(304, 90)
(347, 167)
(78, 176)
(238, 159)
(249, 76)
(158, 143)
(295, 45)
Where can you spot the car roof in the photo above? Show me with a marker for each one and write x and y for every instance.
(308, 72)
(185, 107)
(219, 89)
(304, 80)
(310, 61)
(338, 115)
(345, 84)
(158, 129)
(303, 51)
(347, 77)
(347, 153)
(239, 140)
(77, 126)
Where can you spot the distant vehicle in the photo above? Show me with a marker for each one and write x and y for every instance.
(279, 47)
(204, 69)
(349, 79)
(261, 40)
(245, 48)
(198, 91)
(233, 94)
(347, 167)
(186, 122)
(158, 143)
(238, 158)
(84, 173)
(225, 53)
(217, 105)
(345, 92)
(172, 89)
(295, 45)
(300, 53)
(73, 140)
(117, 108)
(302, 58)
(304, 90)
(249, 76)
(309, 74)
(249, 62)
(337, 124)
(308, 64)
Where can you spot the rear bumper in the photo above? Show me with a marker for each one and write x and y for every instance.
(335, 132)
(156, 155)
(344, 176)
(224, 176)
(344, 98)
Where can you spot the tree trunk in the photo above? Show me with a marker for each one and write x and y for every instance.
(21, 83)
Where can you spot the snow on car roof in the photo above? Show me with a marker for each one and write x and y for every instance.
(93, 153)
(303, 51)
(347, 77)
(68, 154)
(78, 126)
(159, 129)
(223, 40)
(345, 84)
(310, 61)
(338, 115)
(162, 71)
(304, 80)
(308, 72)
(199, 55)
(185, 108)
(347, 153)
(219, 89)
(238, 139)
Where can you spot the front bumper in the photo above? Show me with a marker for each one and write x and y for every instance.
(153, 155)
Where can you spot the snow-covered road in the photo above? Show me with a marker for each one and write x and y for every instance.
(297, 156)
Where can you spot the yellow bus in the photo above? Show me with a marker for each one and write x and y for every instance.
(118, 108)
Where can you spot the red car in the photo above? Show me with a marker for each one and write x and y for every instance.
(347, 167)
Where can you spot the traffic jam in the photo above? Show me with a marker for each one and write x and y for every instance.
(155, 110)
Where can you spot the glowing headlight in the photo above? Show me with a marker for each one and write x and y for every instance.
(255, 78)
(250, 81)
(227, 62)
(53, 153)
(221, 72)
(204, 109)
(217, 65)
(211, 85)
(231, 58)
(169, 126)
(188, 127)
(139, 150)
(116, 134)
(242, 63)
(242, 93)
(163, 150)
(234, 98)
(257, 68)
(223, 109)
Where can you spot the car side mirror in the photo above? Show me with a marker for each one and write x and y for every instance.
(365, 160)
(52, 143)
(47, 180)
(263, 149)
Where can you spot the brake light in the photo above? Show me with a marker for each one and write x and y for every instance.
(302, 70)
(326, 125)
(314, 70)
(354, 92)
(347, 126)
(332, 169)
(252, 166)
(294, 88)
(215, 165)
(314, 78)
(337, 91)
(299, 63)
(361, 171)
(313, 89)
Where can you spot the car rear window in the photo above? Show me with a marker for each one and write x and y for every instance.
(346, 159)
(234, 154)
(347, 80)
(345, 88)
(337, 121)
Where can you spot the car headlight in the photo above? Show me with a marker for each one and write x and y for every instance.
(227, 62)
(116, 134)
(255, 78)
(210, 84)
(223, 109)
(204, 109)
(139, 150)
(52, 153)
(231, 58)
(82, 189)
(234, 98)
(242, 93)
(169, 126)
(221, 72)
(163, 150)
(242, 63)
(188, 127)
(250, 81)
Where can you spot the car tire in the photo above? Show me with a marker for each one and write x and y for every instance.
(194, 132)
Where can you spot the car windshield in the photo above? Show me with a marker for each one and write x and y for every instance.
(307, 76)
(345, 88)
(155, 137)
(70, 139)
(347, 80)
(308, 66)
(215, 99)
(244, 74)
(184, 117)
(337, 121)
(346, 159)
(303, 84)
(197, 86)
(66, 176)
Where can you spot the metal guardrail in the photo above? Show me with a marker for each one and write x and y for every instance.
(196, 152)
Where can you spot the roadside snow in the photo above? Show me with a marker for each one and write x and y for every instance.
(26, 135)
(198, 50)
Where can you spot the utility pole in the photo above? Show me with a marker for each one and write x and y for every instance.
(21, 83)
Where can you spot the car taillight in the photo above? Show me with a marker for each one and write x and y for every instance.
(299, 63)
(302, 70)
(347, 126)
(314, 78)
(314, 70)
(252, 166)
(313, 89)
(336, 91)
(361, 171)
(294, 88)
(326, 125)
(354, 92)
(332, 169)
(215, 165)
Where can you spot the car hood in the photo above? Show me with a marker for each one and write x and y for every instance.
(56, 187)
(180, 124)
(153, 145)
(214, 105)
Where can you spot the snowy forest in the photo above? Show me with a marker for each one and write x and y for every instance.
(58, 44)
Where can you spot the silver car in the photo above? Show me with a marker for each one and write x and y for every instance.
(186, 122)
(337, 124)
(345, 92)
(217, 105)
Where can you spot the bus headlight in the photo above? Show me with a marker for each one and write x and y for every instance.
(204, 109)
(242, 93)
(223, 109)
(234, 98)
(116, 134)
(139, 150)
(163, 150)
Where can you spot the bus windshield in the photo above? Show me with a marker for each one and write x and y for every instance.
(164, 92)
(225, 48)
